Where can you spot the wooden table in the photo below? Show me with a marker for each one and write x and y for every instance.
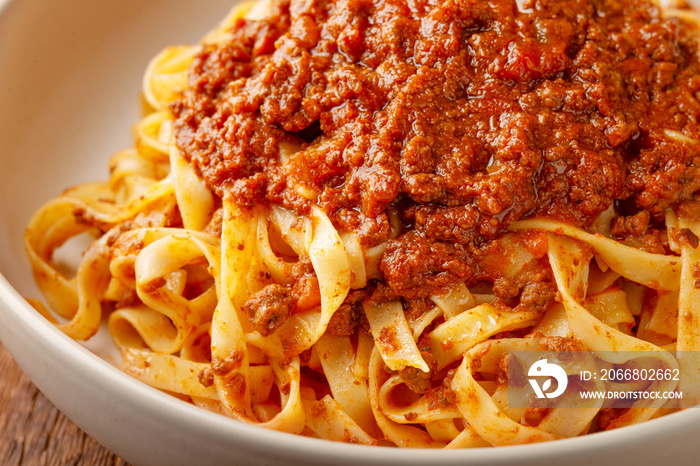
(34, 432)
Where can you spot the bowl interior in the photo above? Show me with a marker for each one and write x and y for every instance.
(70, 82)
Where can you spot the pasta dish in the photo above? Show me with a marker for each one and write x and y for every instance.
(339, 217)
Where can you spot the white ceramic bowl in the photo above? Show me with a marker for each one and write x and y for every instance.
(70, 74)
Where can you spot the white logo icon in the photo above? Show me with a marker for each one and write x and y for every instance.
(543, 369)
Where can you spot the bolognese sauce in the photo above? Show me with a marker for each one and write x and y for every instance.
(455, 118)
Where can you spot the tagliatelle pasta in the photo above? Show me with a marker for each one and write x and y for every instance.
(260, 254)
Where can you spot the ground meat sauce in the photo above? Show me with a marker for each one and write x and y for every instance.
(456, 117)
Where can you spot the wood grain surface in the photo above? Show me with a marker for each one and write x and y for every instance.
(34, 432)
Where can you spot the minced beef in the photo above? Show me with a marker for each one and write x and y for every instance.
(463, 116)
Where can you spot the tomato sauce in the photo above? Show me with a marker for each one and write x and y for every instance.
(456, 117)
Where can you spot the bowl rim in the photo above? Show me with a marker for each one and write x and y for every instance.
(222, 428)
